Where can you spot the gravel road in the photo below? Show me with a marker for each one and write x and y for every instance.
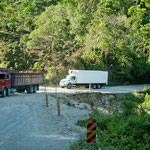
(27, 124)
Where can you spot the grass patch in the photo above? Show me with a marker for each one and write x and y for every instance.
(82, 123)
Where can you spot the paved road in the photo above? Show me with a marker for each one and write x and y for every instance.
(105, 89)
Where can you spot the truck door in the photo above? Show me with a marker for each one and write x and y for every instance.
(2, 81)
(7, 81)
(73, 80)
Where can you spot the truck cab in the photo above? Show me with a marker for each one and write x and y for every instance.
(5, 83)
(69, 81)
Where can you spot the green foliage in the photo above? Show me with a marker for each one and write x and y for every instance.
(118, 42)
(74, 2)
(28, 22)
(146, 103)
(53, 37)
(111, 35)
(129, 107)
(82, 123)
(147, 90)
(11, 26)
(129, 130)
(15, 56)
(80, 145)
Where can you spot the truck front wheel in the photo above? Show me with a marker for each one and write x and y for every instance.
(69, 86)
(4, 92)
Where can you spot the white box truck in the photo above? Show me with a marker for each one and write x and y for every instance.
(85, 77)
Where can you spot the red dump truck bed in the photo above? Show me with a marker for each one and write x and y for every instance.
(24, 79)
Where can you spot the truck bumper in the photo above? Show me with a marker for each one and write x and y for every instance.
(62, 84)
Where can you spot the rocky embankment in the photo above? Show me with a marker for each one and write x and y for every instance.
(104, 102)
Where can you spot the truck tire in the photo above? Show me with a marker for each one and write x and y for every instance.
(4, 92)
(8, 91)
(99, 86)
(34, 88)
(30, 89)
(69, 86)
(93, 86)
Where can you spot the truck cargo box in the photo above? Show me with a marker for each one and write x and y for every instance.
(89, 76)
(24, 79)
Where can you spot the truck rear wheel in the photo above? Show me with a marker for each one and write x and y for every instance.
(34, 89)
(69, 86)
(93, 86)
(99, 86)
(4, 92)
(30, 89)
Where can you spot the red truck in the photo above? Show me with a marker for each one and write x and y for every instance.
(20, 82)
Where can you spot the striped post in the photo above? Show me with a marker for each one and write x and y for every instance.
(46, 100)
(91, 131)
(58, 107)
(90, 88)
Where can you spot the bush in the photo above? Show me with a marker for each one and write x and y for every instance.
(146, 103)
(124, 133)
(129, 107)
(82, 123)
(128, 131)
(147, 90)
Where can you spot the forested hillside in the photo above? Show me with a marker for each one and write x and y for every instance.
(58, 35)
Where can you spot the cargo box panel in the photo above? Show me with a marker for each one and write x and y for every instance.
(23, 79)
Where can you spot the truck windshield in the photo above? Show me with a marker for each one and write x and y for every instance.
(70, 77)
(2, 76)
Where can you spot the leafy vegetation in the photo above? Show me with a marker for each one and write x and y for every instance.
(108, 35)
(129, 130)
(146, 103)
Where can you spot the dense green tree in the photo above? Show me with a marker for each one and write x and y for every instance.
(52, 37)
(108, 35)
(118, 42)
